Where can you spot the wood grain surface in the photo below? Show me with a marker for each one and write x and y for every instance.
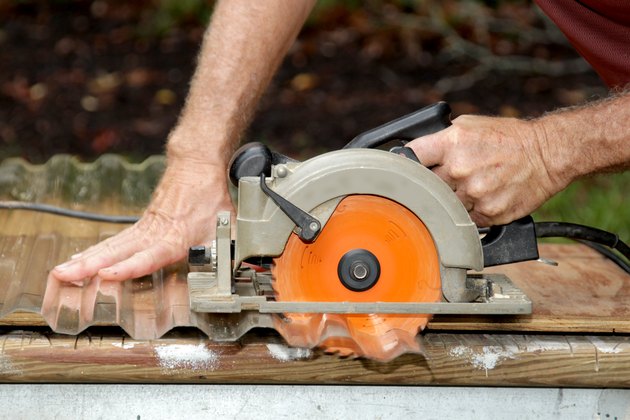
(577, 335)
(449, 359)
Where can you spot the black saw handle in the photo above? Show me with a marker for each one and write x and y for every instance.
(255, 158)
(428, 120)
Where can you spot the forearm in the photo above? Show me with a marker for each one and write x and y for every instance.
(242, 48)
(587, 140)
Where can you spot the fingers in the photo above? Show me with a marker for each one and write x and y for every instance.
(429, 149)
(120, 258)
(468, 203)
(497, 209)
(432, 153)
(169, 226)
(443, 173)
(485, 209)
(89, 262)
(143, 262)
(480, 219)
(113, 243)
(488, 164)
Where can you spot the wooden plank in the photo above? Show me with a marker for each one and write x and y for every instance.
(187, 357)
(23, 319)
(444, 323)
(584, 295)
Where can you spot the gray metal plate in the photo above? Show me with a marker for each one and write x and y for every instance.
(503, 298)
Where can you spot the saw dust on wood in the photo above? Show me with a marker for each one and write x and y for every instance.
(451, 359)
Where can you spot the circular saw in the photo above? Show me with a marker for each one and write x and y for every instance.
(352, 251)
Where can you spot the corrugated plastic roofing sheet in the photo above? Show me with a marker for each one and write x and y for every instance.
(31, 244)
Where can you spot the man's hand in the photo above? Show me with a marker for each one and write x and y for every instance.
(503, 168)
(498, 167)
(242, 48)
(181, 214)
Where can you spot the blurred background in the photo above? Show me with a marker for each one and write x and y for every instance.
(92, 77)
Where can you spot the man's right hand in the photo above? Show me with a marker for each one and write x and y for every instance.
(181, 214)
(503, 168)
(499, 168)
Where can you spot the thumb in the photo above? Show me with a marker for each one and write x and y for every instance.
(429, 149)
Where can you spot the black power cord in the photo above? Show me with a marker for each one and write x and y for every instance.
(608, 253)
(60, 211)
(599, 240)
(583, 233)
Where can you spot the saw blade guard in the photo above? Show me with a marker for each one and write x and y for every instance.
(319, 184)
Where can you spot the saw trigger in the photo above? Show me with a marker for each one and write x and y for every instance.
(406, 152)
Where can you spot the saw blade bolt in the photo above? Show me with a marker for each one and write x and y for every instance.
(359, 270)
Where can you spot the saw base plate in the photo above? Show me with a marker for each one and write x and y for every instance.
(252, 291)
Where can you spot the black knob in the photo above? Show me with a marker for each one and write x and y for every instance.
(197, 255)
(251, 159)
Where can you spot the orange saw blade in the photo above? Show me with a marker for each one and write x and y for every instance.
(340, 266)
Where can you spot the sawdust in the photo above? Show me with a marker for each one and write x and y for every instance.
(6, 366)
(286, 354)
(487, 359)
(540, 346)
(185, 356)
(124, 345)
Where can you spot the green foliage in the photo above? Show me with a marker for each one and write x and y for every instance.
(602, 202)
(168, 14)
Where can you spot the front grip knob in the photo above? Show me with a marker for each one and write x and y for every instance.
(251, 159)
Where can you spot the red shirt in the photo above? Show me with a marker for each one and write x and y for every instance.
(599, 31)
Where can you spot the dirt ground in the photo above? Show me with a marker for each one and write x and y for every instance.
(90, 77)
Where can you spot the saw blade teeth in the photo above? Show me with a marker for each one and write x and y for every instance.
(333, 334)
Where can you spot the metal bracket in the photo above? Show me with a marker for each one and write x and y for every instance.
(308, 227)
